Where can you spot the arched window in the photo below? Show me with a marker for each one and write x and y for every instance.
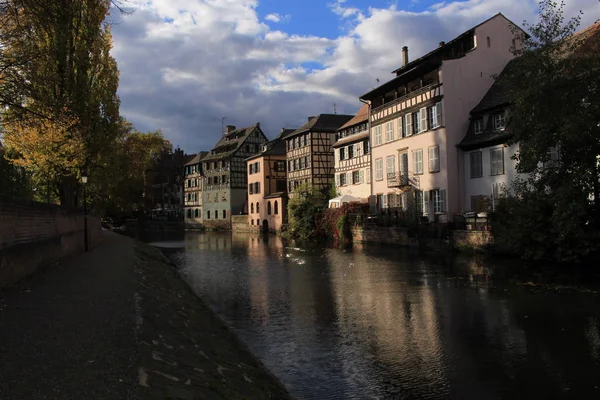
(269, 208)
(276, 211)
(257, 207)
(251, 208)
(189, 213)
(224, 214)
(258, 222)
(251, 222)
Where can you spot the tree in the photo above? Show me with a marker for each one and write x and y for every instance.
(554, 85)
(304, 210)
(69, 80)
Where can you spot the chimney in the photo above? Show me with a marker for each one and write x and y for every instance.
(311, 117)
(442, 44)
(229, 128)
(282, 130)
(404, 56)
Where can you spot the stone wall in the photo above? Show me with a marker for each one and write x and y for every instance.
(241, 223)
(35, 234)
(472, 240)
(396, 236)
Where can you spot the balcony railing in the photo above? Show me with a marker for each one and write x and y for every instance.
(403, 180)
(407, 96)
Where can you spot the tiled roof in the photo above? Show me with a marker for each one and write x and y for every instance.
(361, 116)
(323, 123)
(275, 146)
(196, 158)
(488, 137)
(231, 142)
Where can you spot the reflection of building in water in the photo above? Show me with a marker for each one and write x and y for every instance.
(391, 316)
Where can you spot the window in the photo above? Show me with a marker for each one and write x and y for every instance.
(276, 208)
(439, 199)
(189, 213)
(419, 202)
(257, 167)
(417, 156)
(478, 126)
(434, 159)
(499, 122)
(389, 131)
(257, 187)
(351, 151)
(280, 166)
(366, 147)
(208, 214)
(268, 208)
(401, 132)
(378, 135)
(251, 169)
(296, 164)
(224, 214)
(342, 153)
(252, 222)
(301, 163)
(251, 188)
(257, 207)
(251, 208)
(497, 161)
(476, 165)
(434, 115)
(408, 125)
(291, 165)
(379, 169)
(280, 185)
(422, 120)
(390, 166)
(355, 177)
(343, 179)
(197, 213)
(416, 122)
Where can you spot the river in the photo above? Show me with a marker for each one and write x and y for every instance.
(378, 322)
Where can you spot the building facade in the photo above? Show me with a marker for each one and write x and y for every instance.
(225, 178)
(309, 152)
(267, 183)
(192, 192)
(352, 157)
(418, 118)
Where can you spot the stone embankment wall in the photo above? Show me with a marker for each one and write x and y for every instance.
(397, 236)
(472, 240)
(35, 234)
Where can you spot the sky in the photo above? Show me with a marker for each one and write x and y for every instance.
(187, 64)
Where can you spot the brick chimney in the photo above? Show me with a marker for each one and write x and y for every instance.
(404, 56)
(229, 128)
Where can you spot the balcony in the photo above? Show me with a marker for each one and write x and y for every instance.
(403, 181)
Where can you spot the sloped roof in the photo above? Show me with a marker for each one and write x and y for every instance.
(323, 123)
(196, 158)
(231, 142)
(275, 146)
(352, 138)
(361, 116)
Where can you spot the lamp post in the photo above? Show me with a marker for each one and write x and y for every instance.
(84, 179)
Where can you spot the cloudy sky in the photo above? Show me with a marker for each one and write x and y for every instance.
(186, 64)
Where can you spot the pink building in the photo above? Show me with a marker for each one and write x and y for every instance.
(418, 118)
(267, 177)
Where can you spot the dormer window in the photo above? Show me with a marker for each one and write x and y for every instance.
(478, 126)
(499, 121)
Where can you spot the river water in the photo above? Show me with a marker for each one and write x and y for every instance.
(380, 322)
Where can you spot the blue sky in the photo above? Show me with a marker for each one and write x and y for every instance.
(186, 64)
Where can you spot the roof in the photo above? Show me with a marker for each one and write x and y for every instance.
(587, 39)
(195, 158)
(488, 137)
(352, 138)
(496, 96)
(322, 123)
(276, 195)
(231, 142)
(361, 116)
(275, 147)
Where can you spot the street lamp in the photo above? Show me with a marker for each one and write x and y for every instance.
(84, 179)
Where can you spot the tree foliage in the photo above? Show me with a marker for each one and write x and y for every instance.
(305, 209)
(554, 87)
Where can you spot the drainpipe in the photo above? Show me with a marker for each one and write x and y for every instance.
(368, 103)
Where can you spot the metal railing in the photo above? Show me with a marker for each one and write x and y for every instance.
(402, 180)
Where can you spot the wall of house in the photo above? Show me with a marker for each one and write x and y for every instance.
(360, 162)
(254, 199)
(215, 199)
(275, 221)
(483, 186)
(34, 234)
(466, 80)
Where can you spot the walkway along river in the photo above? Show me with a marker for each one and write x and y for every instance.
(381, 322)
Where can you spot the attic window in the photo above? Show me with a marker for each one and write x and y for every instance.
(499, 122)
(478, 126)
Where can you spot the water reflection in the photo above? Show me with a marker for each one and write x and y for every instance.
(375, 322)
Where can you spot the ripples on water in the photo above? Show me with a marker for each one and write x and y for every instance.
(381, 323)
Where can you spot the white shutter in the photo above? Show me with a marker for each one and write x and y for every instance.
(423, 119)
(337, 180)
(400, 127)
(431, 159)
(443, 196)
(348, 178)
(438, 113)
(358, 149)
(408, 120)
(361, 176)
(426, 202)
(368, 172)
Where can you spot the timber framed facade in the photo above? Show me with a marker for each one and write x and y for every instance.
(225, 180)
(352, 152)
(309, 152)
(192, 192)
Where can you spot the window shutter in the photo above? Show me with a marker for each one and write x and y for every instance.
(408, 120)
(426, 194)
(400, 127)
(438, 113)
(361, 176)
(368, 172)
(423, 119)
(443, 196)
(337, 179)
(348, 178)
(432, 159)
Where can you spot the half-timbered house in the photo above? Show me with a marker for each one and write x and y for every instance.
(267, 193)
(225, 179)
(418, 118)
(192, 191)
(353, 157)
(309, 153)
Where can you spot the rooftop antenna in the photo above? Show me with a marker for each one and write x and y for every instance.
(377, 80)
(334, 109)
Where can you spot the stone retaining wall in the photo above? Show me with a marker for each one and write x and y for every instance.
(396, 236)
(35, 234)
(472, 240)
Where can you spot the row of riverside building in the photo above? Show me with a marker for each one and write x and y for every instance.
(433, 139)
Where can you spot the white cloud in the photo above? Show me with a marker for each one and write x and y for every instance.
(186, 64)
(275, 17)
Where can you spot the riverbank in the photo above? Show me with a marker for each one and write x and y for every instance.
(185, 350)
